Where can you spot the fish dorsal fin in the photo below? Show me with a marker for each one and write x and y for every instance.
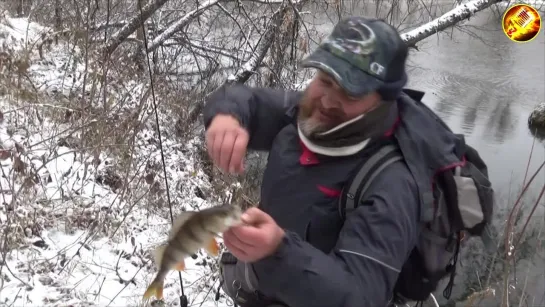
(158, 254)
(179, 222)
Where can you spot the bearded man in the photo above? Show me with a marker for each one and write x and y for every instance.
(294, 249)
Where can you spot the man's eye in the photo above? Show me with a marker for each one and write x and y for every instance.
(351, 98)
(325, 81)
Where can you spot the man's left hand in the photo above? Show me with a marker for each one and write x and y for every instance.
(257, 238)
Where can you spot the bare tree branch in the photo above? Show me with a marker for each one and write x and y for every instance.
(263, 46)
(182, 22)
(447, 20)
(211, 49)
(131, 26)
(262, 49)
(246, 40)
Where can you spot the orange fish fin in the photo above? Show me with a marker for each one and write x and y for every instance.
(213, 248)
(180, 266)
(155, 289)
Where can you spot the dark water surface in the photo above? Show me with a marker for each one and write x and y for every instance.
(485, 86)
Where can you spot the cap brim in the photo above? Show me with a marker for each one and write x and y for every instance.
(353, 80)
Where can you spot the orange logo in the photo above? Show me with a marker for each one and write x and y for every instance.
(521, 23)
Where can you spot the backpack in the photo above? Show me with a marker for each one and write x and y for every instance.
(464, 202)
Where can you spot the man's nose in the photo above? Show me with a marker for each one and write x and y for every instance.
(329, 102)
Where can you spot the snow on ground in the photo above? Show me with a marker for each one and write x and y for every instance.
(19, 31)
(66, 238)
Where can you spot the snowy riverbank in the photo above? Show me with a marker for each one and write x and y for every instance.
(69, 237)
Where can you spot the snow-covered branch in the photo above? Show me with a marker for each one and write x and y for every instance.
(249, 67)
(182, 22)
(118, 37)
(449, 19)
(107, 25)
(132, 25)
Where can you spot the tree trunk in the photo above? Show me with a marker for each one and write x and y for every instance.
(20, 8)
(139, 56)
(131, 26)
(58, 15)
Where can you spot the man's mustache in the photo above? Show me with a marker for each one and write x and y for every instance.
(332, 113)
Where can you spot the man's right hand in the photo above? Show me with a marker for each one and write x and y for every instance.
(226, 142)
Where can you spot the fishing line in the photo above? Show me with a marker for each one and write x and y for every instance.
(183, 297)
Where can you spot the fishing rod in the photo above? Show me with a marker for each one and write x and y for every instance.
(183, 297)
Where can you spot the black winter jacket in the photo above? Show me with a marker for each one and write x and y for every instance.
(323, 261)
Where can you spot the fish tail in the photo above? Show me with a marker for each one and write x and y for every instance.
(155, 289)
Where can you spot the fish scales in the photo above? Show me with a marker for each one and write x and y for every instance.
(193, 234)
(191, 231)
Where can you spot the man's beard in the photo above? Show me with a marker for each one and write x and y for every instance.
(338, 130)
(311, 126)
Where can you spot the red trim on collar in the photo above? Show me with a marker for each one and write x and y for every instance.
(307, 157)
(391, 131)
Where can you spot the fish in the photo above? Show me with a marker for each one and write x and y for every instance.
(191, 231)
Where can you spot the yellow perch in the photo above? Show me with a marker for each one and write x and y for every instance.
(191, 231)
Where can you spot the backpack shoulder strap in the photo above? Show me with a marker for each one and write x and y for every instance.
(356, 188)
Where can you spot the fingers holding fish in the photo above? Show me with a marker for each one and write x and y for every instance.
(245, 236)
(258, 238)
(237, 236)
(246, 242)
(235, 246)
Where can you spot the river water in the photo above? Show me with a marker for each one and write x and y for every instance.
(485, 86)
(486, 89)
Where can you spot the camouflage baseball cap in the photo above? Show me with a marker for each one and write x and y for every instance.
(363, 55)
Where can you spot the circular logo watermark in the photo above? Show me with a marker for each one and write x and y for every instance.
(521, 23)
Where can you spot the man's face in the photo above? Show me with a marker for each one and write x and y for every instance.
(326, 105)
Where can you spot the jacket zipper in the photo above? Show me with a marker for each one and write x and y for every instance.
(247, 276)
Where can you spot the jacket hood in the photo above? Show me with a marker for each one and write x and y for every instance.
(427, 143)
